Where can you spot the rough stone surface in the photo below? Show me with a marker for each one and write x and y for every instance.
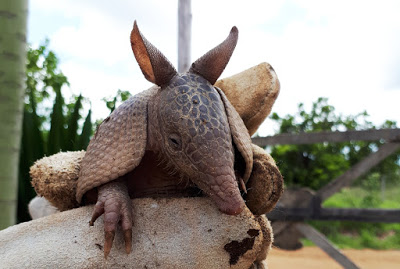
(265, 186)
(55, 178)
(40, 207)
(167, 233)
(286, 234)
(252, 93)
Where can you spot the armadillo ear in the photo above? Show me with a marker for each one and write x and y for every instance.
(211, 64)
(155, 66)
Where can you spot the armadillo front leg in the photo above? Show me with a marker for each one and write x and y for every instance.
(113, 201)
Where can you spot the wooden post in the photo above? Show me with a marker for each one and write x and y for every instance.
(321, 241)
(331, 137)
(184, 34)
(357, 170)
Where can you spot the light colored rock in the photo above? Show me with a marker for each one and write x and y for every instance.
(287, 236)
(40, 207)
(167, 233)
(55, 178)
(265, 185)
(252, 93)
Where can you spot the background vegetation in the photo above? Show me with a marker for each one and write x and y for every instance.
(50, 124)
(315, 165)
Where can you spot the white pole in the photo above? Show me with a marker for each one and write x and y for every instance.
(184, 34)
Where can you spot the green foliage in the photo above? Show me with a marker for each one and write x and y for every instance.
(347, 234)
(47, 130)
(315, 165)
(56, 135)
(358, 235)
(111, 102)
(361, 197)
(87, 130)
(73, 119)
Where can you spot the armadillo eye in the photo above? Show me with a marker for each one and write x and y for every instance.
(175, 142)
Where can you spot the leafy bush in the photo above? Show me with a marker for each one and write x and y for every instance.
(47, 130)
(314, 165)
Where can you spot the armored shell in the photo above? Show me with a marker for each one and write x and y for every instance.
(118, 145)
(120, 141)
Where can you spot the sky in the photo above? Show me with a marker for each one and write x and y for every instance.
(346, 51)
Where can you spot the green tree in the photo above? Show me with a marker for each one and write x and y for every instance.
(47, 129)
(315, 165)
(13, 15)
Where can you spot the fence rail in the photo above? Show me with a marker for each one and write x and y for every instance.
(351, 214)
(333, 137)
(314, 210)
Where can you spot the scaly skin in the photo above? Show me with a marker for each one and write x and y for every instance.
(190, 126)
(114, 202)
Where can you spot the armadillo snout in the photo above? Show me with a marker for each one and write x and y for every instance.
(232, 208)
(226, 195)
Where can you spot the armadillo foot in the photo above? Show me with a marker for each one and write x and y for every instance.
(113, 201)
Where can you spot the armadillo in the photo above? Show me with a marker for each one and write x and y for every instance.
(183, 132)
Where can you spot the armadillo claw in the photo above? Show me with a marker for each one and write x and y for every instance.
(128, 240)
(98, 211)
(113, 201)
(108, 241)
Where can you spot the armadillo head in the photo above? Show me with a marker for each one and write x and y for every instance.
(197, 140)
(188, 124)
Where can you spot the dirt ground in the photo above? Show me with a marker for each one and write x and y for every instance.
(314, 258)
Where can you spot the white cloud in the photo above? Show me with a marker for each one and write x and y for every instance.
(340, 53)
(344, 50)
(96, 84)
